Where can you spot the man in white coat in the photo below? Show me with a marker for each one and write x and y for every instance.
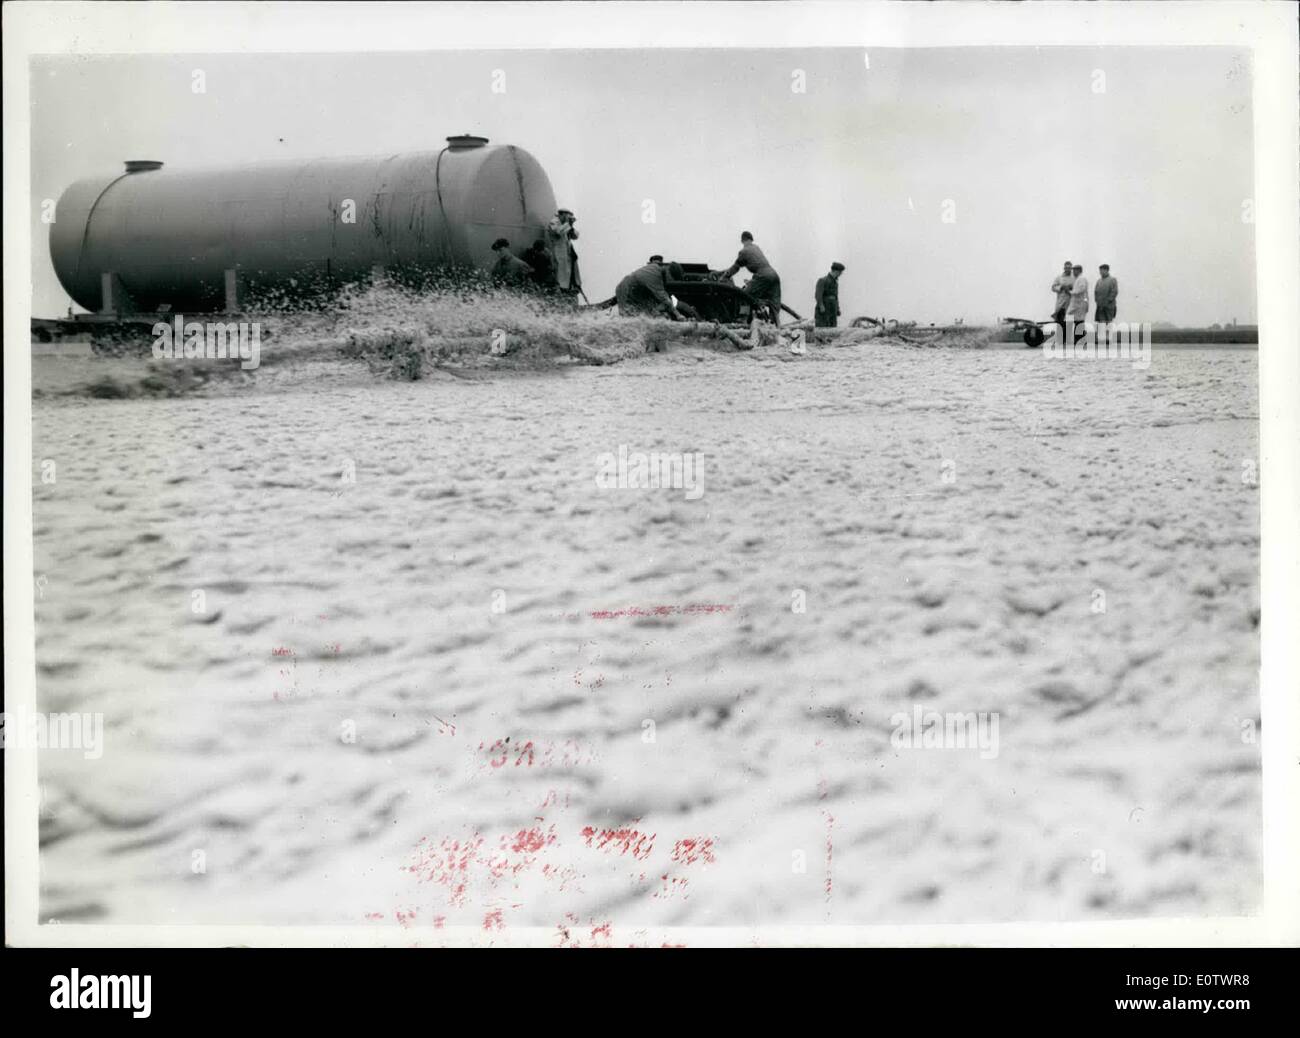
(1078, 312)
(560, 233)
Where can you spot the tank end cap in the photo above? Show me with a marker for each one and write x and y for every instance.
(142, 165)
(465, 141)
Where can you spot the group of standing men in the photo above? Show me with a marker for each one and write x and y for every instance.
(1071, 289)
(549, 264)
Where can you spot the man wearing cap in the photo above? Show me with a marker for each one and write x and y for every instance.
(827, 298)
(509, 269)
(1105, 296)
(644, 291)
(560, 235)
(765, 285)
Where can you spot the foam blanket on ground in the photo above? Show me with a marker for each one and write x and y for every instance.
(391, 653)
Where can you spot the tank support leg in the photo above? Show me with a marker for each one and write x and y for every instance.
(113, 297)
(232, 291)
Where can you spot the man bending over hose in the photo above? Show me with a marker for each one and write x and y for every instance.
(765, 285)
(645, 291)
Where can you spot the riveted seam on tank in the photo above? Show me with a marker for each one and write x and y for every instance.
(85, 226)
(376, 221)
(442, 209)
(519, 179)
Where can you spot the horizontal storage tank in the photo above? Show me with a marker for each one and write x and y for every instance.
(152, 238)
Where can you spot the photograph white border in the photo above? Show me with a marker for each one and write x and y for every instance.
(1269, 30)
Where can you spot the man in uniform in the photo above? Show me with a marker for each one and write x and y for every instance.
(1105, 296)
(539, 259)
(826, 296)
(765, 285)
(509, 269)
(644, 291)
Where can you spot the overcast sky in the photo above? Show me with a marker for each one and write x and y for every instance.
(1138, 157)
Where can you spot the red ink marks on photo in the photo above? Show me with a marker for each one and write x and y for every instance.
(642, 943)
(468, 868)
(374, 916)
(526, 843)
(568, 932)
(671, 887)
(448, 865)
(563, 930)
(553, 798)
(562, 876)
(830, 850)
(530, 841)
(445, 726)
(281, 651)
(492, 759)
(662, 610)
(530, 753)
(494, 920)
(500, 752)
(625, 840)
(695, 849)
(405, 918)
(571, 754)
(439, 922)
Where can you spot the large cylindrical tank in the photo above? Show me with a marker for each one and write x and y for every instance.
(169, 236)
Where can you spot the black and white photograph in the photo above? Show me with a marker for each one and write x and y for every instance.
(769, 474)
